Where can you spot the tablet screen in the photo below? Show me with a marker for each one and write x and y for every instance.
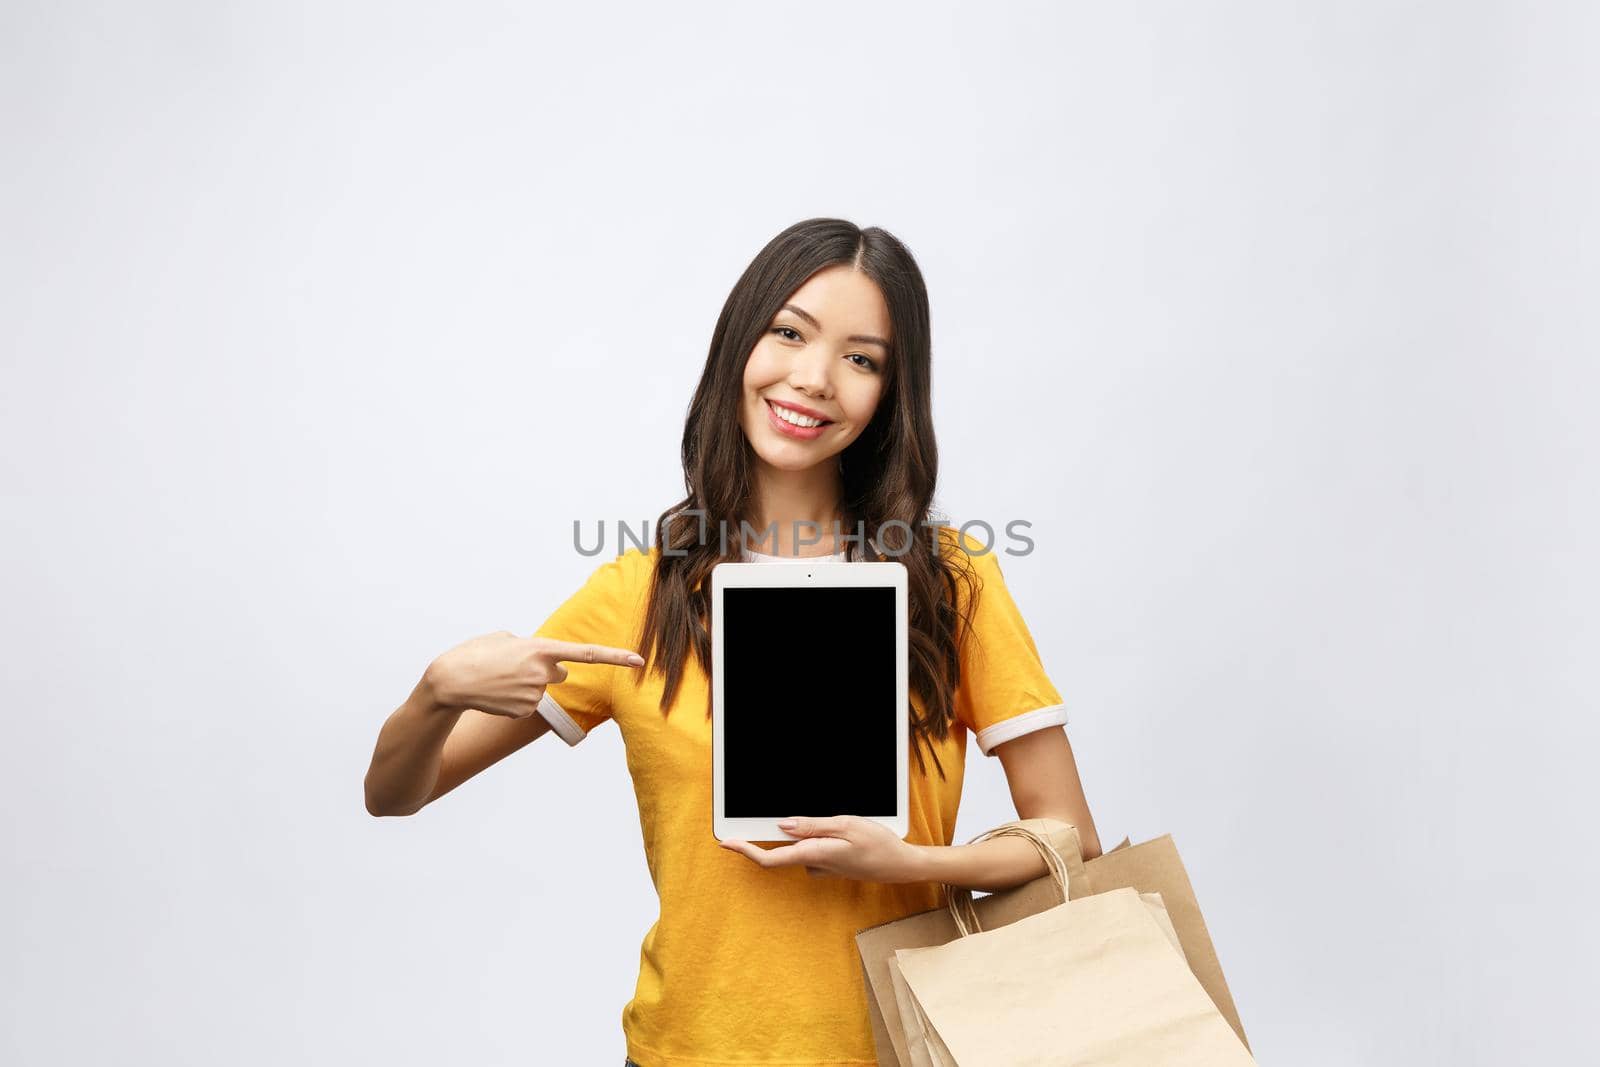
(809, 702)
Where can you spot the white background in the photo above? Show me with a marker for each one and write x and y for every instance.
(322, 322)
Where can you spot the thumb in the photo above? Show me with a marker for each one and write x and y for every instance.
(834, 826)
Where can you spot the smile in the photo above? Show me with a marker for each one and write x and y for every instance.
(793, 423)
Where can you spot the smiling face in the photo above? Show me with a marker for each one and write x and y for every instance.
(824, 356)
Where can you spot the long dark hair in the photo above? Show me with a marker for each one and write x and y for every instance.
(888, 472)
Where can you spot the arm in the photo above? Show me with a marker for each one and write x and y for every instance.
(480, 701)
(1043, 777)
(425, 749)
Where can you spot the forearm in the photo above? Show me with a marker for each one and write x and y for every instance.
(987, 866)
(405, 763)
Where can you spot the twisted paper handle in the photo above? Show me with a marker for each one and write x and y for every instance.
(959, 898)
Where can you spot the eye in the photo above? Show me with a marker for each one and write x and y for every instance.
(867, 364)
(785, 332)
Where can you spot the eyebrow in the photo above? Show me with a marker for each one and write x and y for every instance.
(858, 338)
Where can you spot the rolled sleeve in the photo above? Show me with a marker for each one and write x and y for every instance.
(599, 613)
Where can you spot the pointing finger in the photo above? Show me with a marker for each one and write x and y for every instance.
(584, 653)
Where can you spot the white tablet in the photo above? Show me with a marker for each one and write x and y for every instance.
(809, 695)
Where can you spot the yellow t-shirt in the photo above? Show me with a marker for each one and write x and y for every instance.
(748, 965)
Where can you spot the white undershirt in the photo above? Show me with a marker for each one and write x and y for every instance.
(751, 556)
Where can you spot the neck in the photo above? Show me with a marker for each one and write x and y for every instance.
(784, 503)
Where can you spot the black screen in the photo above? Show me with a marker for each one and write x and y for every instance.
(809, 712)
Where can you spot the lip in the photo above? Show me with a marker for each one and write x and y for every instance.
(801, 408)
(789, 429)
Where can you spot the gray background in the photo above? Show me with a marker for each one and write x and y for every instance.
(322, 323)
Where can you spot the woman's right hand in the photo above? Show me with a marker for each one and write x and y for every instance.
(503, 674)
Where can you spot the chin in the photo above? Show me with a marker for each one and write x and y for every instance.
(789, 462)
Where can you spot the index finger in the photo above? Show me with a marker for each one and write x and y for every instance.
(582, 653)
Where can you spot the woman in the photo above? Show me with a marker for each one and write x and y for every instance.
(813, 411)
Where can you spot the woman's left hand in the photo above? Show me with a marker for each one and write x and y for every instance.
(842, 846)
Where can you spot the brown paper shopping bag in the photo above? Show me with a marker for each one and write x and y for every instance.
(1154, 867)
(924, 1046)
(1097, 980)
(1150, 867)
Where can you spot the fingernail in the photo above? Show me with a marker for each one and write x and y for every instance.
(786, 824)
(636, 659)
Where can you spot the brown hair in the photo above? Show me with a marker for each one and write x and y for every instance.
(888, 472)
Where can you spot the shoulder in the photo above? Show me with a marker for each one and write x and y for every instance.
(617, 582)
(639, 562)
(633, 571)
(971, 562)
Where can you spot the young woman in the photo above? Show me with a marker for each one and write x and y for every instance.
(813, 412)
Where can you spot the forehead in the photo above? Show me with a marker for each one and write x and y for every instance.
(845, 301)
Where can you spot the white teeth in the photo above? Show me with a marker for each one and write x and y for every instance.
(797, 419)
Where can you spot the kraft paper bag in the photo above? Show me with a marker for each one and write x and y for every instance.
(935, 927)
(1155, 867)
(1151, 867)
(1091, 981)
(924, 1047)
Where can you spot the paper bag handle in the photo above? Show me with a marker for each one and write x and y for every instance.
(959, 898)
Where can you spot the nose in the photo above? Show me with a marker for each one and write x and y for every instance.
(808, 373)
